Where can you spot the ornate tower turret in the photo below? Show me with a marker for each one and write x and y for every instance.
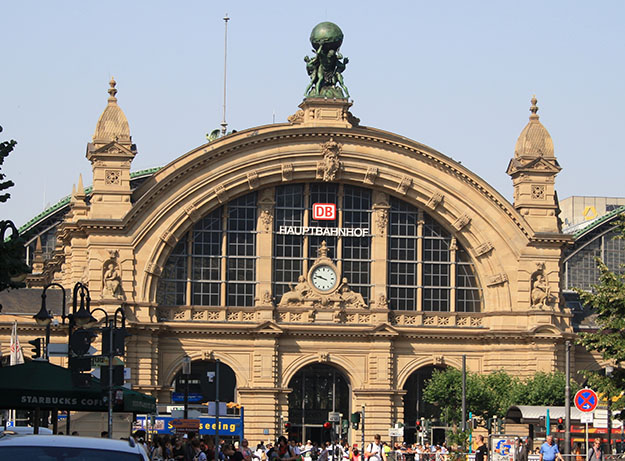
(111, 154)
(533, 171)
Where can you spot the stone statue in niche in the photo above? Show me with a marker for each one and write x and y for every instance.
(541, 296)
(111, 278)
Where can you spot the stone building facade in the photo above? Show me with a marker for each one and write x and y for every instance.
(217, 255)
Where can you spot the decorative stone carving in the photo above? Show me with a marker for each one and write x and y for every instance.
(208, 355)
(382, 302)
(266, 218)
(297, 118)
(179, 314)
(323, 357)
(265, 300)
(497, 279)
(484, 248)
(382, 221)
(249, 316)
(111, 278)
(287, 171)
(252, 179)
(404, 185)
(541, 296)
(266, 206)
(154, 269)
(112, 177)
(371, 175)
(192, 212)
(434, 200)
(212, 315)
(220, 192)
(169, 238)
(352, 119)
(462, 321)
(329, 167)
(461, 222)
(453, 245)
(439, 360)
(538, 192)
(197, 315)
(349, 297)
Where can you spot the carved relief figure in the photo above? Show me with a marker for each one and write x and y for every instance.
(329, 167)
(351, 298)
(541, 296)
(111, 278)
(111, 281)
(298, 293)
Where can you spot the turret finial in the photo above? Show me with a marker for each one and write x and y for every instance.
(534, 108)
(112, 91)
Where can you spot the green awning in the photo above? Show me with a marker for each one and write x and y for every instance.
(39, 384)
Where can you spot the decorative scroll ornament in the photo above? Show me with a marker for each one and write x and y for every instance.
(111, 278)
(404, 185)
(484, 248)
(297, 118)
(497, 279)
(329, 167)
(371, 175)
(252, 179)
(287, 171)
(461, 222)
(434, 201)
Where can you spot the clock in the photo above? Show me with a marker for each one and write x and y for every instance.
(323, 277)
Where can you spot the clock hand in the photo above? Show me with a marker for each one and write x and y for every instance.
(320, 277)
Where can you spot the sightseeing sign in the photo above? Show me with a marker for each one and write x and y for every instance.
(586, 400)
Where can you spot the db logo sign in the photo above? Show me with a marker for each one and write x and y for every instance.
(324, 211)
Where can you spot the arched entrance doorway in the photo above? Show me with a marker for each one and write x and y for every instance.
(415, 407)
(202, 383)
(317, 390)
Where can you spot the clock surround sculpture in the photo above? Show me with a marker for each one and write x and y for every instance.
(321, 287)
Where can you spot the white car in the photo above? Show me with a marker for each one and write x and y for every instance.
(69, 448)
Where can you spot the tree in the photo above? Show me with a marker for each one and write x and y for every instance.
(12, 266)
(492, 394)
(607, 298)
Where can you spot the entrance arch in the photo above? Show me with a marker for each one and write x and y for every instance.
(202, 382)
(415, 407)
(316, 390)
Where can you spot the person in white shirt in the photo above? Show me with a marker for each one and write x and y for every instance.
(374, 451)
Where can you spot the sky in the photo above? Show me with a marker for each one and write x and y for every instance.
(457, 76)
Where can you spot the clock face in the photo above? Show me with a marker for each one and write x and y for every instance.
(323, 278)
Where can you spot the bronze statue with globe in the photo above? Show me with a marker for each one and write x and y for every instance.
(326, 67)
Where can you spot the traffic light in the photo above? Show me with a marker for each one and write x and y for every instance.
(36, 343)
(344, 426)
(489, 424)
(418, 425)
(287, 427)
(327, 425)
(500, 425)
(119, 341)
(355, 419)
(80, 342)
(560, 424)
(474, 423)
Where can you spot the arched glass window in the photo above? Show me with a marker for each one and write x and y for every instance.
(428, 269)
(215, 263)
(294, 254)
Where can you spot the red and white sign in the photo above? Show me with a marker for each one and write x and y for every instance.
(324, 211)
(586, 400)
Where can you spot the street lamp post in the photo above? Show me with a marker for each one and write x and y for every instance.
(44, 316)
(186, 371)
(111, 324)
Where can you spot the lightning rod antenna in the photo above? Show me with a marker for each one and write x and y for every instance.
(224, 124)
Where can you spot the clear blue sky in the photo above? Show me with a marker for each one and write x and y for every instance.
(455, 75)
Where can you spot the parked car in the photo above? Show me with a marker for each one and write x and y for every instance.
(69, 448)
(25, 430)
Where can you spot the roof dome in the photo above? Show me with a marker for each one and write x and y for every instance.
(113, 124)
(534, 140)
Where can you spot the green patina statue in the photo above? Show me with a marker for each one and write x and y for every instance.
(326, 67)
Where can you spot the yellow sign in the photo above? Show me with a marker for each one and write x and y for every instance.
(590, 213)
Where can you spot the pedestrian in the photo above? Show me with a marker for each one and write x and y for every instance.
(178, 450)
(375, 450)
(520, 450)
(245, 450)
(577, 451)
(198, 454)
(549, 450)
(595, 453)
(189, 451)
(481, 452)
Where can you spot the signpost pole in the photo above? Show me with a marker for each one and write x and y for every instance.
(217, 410)
(567, 399)
(363, 430)
(586, 438)
(464, 392)
(110, 383)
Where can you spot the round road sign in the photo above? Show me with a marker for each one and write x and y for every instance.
(586, 400)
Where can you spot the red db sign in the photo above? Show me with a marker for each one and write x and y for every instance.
(324, 211)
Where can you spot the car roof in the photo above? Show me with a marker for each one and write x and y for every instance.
(69, 441)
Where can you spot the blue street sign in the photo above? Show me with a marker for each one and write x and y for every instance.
(179, 397)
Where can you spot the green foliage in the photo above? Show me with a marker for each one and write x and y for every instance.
(6, 147)
(492, 394)
(12, 266)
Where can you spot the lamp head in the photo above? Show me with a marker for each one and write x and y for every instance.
(43, 317)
